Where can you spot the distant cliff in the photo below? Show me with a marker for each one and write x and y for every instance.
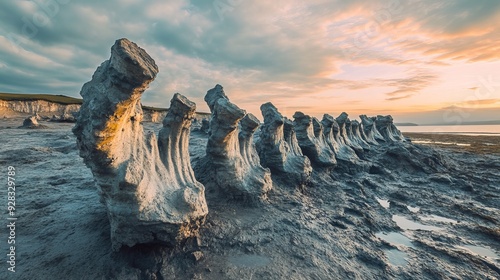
(45, 105)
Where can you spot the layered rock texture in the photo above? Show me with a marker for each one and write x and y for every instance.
(386, 127)
(312, 140)
(231, 155)
(345, 132)
(331, 129)
(146, 183)
(358, 135)
(371, 134)
(278, 146)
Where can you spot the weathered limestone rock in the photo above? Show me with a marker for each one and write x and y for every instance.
(336, 142)
(231, 154)
(312, 141)
(278, 147)
(357, 135)
(369, 128)
(386, 127)
(147, 185)
(346, 133)
(32, 123)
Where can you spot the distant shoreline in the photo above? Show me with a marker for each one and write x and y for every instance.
(471, 133)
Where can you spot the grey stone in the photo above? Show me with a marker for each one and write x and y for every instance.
(147, 185)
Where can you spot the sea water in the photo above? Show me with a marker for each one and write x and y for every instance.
(474, 130)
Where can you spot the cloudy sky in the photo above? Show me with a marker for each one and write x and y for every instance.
(318, 56)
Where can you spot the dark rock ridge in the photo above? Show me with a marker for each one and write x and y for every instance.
(232, 158)
(278, 147)
(146, 184)
(32, 123)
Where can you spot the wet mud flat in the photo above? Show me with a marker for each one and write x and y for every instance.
(480, 144)
(417, 212)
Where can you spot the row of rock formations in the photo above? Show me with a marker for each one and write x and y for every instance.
(147, 182)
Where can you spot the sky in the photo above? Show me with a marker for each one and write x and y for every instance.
(318, 56)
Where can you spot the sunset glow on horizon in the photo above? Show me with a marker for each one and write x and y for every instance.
(322, 56)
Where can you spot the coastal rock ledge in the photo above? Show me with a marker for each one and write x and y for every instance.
(146, 183)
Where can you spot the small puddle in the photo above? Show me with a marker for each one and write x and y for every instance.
(395, 238)
(250, 261)
(437, 218)
(413, 209)
(384, 202)
(396, 257)
(481, 251)
(405, 224)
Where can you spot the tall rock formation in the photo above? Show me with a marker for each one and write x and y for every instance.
(332, 136)
(231, 155)
(357, 135)
(386, 127)
(346, 133)
(147, 185)
(312, 141)
(278, 147)
(371, 134)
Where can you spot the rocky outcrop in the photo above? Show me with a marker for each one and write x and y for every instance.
(371, 134)
(231, 155)
(357, 135)
(332, 136)
(146, 184)
(345, 132)
(386, 127)
(312, 141)
(32, 123)
(278, 147)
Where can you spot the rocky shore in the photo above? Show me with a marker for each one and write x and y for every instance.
(113, 197)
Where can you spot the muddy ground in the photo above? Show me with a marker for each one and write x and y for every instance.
(412, 212)
(483, 144)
